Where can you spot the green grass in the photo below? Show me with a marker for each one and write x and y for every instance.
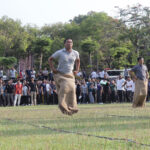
(22, 128)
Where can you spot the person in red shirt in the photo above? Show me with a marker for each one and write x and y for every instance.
(18, 92)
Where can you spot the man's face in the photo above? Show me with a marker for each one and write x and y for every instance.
(69, 44)
(141, 61)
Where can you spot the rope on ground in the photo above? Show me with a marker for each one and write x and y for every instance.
(83, 134)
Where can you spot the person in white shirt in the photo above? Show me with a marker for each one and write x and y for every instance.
(12, 73)
(45, 73)
(129, 84)
(79, 74)
(48, 92)
(120, 88)
(1, 73)
(33, 73)
(94, 75)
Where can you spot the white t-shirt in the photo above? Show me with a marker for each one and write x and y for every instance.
(133, 86)
(120, 83)
(33, 74)
(79, 74)
(45, 72)
(25, 90)
(12, 73)
(48, 87)
(1, 73)
(129, 85)
(94, 74)
(66, 60)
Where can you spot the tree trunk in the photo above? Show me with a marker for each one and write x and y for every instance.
(90, 58)
(41, 59)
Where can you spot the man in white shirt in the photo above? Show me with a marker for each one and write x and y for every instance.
(12, 73)
(94, 75)
(120, 88)
(129, 84)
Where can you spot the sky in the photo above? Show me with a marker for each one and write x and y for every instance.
(41, 12)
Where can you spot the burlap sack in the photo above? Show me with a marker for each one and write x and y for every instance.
(65, 86)
(140, 93)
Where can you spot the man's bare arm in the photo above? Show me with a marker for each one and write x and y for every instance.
(77, 63)
(50, 60)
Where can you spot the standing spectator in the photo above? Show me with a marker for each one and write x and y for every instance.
(126, 74)
(101, 74)
(84, 91)
(33, 73)
(40, 75)
(48, 92)
(84, 74)
(94, 74)
(120, 88)
(45, 73)
(1, 73)
(88, 85)
(18, 92)
(79, 74)
(149, 89)
(23, 75)
(54, 96)
(51, 76)
(113, 90)
(39, 94)
(2, 96)
(129, 84)
(9, 90)
(106, 89)
(43, 90)
(28, 74)
(12, 73)
(99, 92)
(33, 91)
(91, 97)
(78, 91)
(25, 99)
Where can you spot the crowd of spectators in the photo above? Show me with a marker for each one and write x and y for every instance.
(30, 87)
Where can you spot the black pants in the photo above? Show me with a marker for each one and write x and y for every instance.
(129, 96)
(120, 95)
(10, 99)
(25, 100)
(2, 100)
(113, 96)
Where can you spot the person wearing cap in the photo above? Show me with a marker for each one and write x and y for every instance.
(140, 75)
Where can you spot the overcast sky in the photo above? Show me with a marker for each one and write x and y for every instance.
(40, 12)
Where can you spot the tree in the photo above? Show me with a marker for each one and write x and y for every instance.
(137, 20)
(88, 45)
(7, 61)
(41, 46)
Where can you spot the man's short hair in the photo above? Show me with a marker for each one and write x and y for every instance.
(139, 58)
(67, 39)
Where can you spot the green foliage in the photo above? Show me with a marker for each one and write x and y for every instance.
(99, 38)
(7, 61)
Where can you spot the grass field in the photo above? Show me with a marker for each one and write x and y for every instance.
(45, 128)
